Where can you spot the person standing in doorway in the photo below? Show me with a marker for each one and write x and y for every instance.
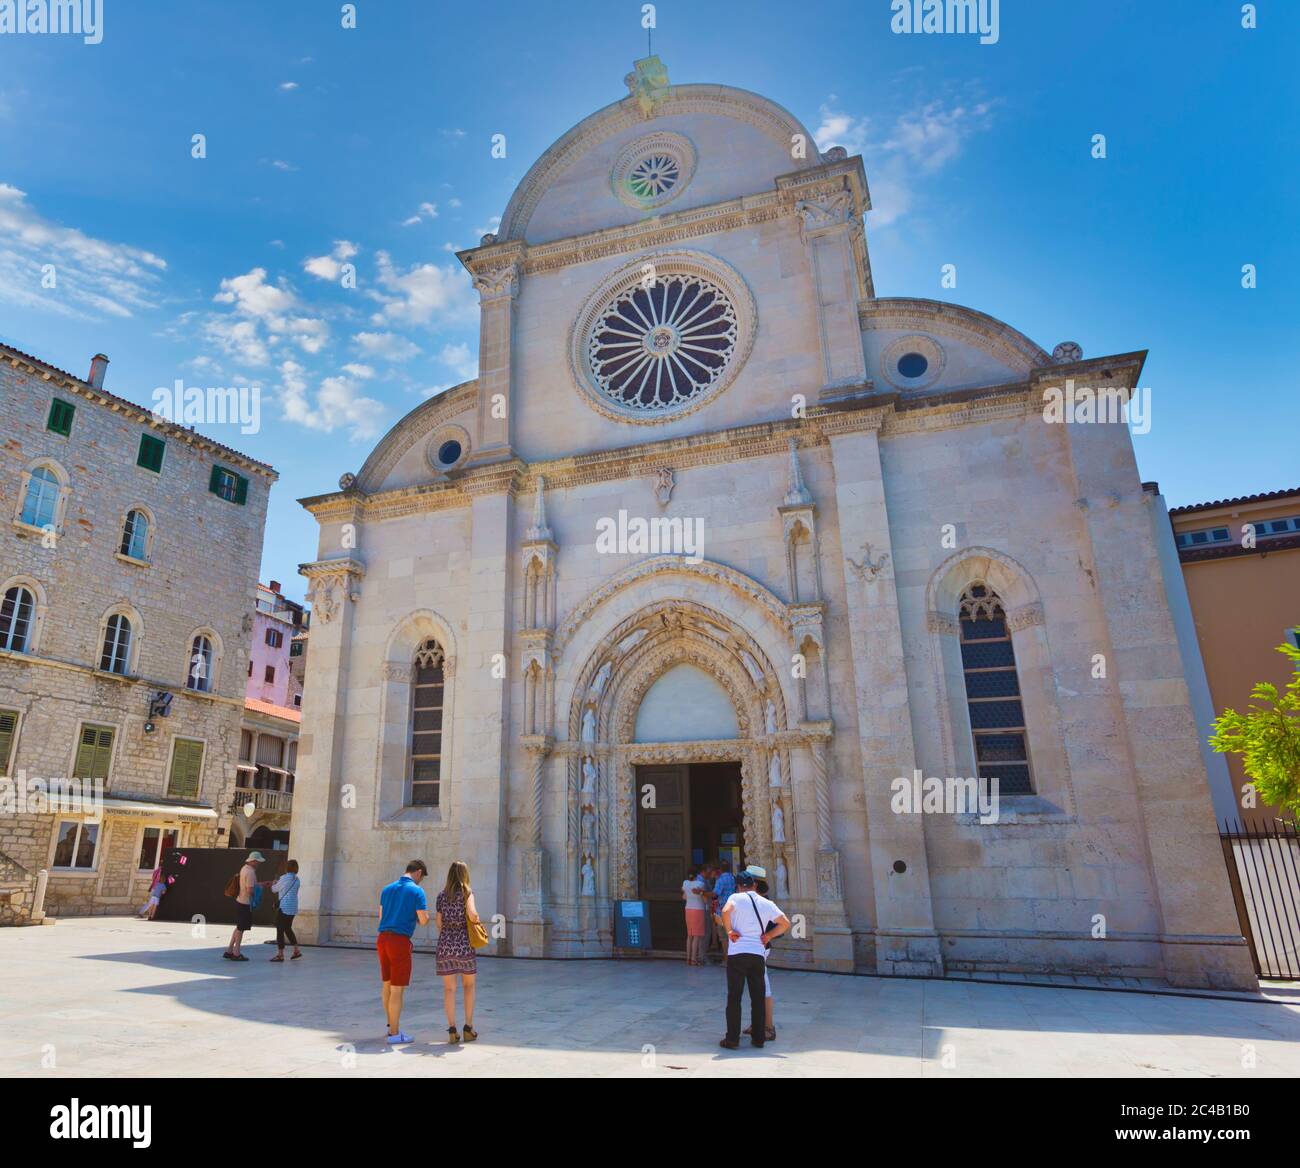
(693, 894)
(455, 955)
(723, 886)
(402, 906)
(752, 923)
(286, 890)
(243, 905)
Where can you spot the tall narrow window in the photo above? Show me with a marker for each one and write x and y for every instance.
(135, 535)
(187, 769)
(16, 612)
(199, 676)
(997, 718)
(94, 753)
(8, 732)
(60, 419)
(116, 657)
(426, 725)
(41, 505)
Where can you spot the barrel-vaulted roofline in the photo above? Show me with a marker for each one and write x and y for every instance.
(721, 100)
(918, 312)
(408, 429)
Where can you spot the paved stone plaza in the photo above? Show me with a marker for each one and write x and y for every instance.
(113, 996)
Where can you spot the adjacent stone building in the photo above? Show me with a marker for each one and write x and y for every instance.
(721, 551)
(129, 555)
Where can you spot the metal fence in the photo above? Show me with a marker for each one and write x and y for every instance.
(1264, 868)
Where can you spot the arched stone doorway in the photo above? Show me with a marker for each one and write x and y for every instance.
(613, 735)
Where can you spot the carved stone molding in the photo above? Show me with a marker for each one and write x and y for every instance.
(820, 218)
(942, 623)
(1024, 616)
(332, 584)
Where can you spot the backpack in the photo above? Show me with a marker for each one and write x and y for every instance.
(232, 886)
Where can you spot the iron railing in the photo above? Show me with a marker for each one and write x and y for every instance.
(1264, 868)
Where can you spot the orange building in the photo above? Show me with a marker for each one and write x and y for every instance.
(1240, 560)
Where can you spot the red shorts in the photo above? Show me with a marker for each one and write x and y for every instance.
(394, 958)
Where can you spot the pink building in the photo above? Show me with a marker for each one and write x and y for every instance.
(276, 622)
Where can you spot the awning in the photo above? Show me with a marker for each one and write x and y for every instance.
(164, 809)
(246, 766)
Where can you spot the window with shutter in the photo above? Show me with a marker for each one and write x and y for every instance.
(151, 453)
(60, 420)
(225, 484)
(94, 753)
(187, 767)
(8, 732)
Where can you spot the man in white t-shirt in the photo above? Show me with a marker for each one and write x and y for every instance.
(752, 922)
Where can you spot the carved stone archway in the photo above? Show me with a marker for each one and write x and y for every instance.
(602, 819)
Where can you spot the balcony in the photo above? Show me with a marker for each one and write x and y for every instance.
(280, 802)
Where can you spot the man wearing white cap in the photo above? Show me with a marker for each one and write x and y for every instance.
(752, 923)
(243, 906)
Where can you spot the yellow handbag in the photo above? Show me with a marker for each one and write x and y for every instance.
(478, 935)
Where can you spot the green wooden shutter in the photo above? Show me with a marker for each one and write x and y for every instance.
(60, 420)
(151, 453)
(8, 724)
(241, 490)
(214, 480)
(187, 768)
(94, 753)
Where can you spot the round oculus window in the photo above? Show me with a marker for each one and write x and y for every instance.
(653, 170)
(660, 344)
(913, 365)
(449, 452)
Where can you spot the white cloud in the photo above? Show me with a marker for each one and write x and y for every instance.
(423, 294)
(280, 164)
(459, 358)
(92, 276)
(491, 229)
(263, 305)
(920, 142)
(238, 338)
(288, 85)
(386, 346)
(426, 211)
(360, 372)
(328, 267)
(337, 404)
(253, 296)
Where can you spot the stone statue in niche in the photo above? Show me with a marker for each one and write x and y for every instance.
(774, 770)
(778, 823)
(631, 640)
(588, 775)
(588, 827)
(589, 725)
(598, 682)
(782, 878)
(769, 719)
(752, 667)
(588, 877)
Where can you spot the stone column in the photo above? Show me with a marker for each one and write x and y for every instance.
(317, 797)
(826, 226)
(906, 941)
(832, 937)
(528, 937)
(483, 698)
(1202, 938)
(496, 277)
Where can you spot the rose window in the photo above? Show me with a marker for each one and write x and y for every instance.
(660, 344)
(654, 176)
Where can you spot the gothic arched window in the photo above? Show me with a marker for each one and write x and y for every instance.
(17, 612)
(199, 675)
(427, 690)
(997, 717)
(116, 655)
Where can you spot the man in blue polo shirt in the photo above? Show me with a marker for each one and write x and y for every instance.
(723, 887)
(402, 906)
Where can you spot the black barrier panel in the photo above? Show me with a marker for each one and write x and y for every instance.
(197, 879)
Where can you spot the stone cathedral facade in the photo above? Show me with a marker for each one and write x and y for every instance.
(718, 531)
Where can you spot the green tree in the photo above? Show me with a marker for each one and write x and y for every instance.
(1268, 738)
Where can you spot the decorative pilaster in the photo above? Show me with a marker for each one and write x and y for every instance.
(529, 934)
(497, 271)
(832, 937)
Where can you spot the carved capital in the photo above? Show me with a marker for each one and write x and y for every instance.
(332, 583)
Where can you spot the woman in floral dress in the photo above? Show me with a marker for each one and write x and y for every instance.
(455, 955)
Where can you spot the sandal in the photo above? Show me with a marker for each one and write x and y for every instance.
(275, 959)
(771, 1034)
(295, 956)
(470, 1033)
(452, 1036)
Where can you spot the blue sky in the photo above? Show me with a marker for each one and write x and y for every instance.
(372, 146)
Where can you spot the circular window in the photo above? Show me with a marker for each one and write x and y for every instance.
(662, 343)
(913, 365)
(653, 170)
(446, 448)
(449, 452)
